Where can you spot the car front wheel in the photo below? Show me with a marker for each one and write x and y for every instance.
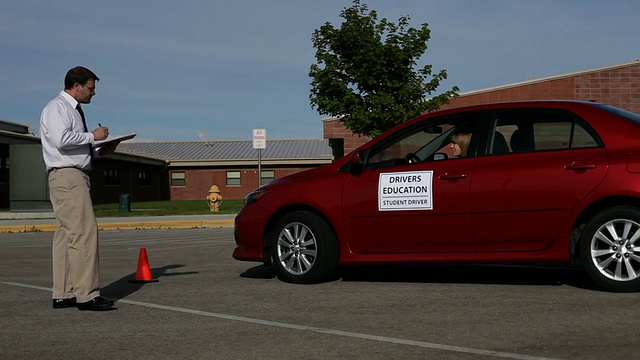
(304, 248)
(610, 249)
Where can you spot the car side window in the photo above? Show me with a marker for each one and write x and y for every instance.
(398, 150)
(528, 130)
(582, 138)
(424, 142)
(552, 135)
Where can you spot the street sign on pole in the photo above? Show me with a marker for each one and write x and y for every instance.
(259, 138)
(259, 142)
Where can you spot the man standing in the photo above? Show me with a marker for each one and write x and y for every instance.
(68, 153)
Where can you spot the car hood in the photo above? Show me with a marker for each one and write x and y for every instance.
(315, 174)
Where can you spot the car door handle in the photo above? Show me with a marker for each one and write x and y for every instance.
(454, 175)
(579, 166)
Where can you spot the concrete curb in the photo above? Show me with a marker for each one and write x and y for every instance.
(126, 225)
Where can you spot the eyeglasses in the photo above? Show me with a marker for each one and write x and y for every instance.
(89, 87)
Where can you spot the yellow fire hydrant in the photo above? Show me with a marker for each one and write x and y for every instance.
(214, 198)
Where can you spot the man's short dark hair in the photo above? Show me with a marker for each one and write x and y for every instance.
(78, 75)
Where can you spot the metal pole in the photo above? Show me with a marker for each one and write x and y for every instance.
(259, 167)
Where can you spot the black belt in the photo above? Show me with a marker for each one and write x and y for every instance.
(88, 172)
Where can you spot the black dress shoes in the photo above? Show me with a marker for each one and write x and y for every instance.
(97, 304)
(64, 303)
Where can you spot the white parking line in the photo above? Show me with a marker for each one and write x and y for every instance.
(385, 339)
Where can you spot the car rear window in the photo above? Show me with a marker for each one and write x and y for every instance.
(620, 112)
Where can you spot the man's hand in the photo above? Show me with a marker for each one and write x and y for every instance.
(101, 133)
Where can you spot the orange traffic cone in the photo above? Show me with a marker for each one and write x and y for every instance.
(143, 274)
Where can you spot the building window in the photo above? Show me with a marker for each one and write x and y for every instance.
(144, 178)
(267, 176)
(233, 178)
(111, 177)
(178, 178)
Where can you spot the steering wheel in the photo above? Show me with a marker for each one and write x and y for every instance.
(412, 158)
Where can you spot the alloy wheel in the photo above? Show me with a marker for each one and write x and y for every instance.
(615, 250)
(296, 248)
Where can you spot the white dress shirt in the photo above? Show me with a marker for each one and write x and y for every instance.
(64, 140)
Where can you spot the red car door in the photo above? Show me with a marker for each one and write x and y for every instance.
(390, 210)
(520, 200)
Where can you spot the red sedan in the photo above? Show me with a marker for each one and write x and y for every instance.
(552, 182)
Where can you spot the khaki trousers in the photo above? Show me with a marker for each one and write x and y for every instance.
(76, 269)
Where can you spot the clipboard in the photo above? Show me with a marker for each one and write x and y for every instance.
(116, 140)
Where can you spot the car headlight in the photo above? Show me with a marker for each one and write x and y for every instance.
(253, 197)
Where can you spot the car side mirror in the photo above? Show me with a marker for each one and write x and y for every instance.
(440, 156)
(354, 164)
(355, 158)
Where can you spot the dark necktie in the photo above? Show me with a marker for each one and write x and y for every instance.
(84, 123)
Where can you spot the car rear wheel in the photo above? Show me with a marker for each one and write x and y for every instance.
(610, 249)
(304, 248)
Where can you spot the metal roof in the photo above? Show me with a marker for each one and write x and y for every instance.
(216, 151)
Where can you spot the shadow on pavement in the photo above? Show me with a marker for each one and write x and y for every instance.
(122, 288)
(259, 272)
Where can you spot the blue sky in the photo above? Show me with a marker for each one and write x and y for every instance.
(214, 70)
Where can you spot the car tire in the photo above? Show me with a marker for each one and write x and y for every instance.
(609, 249)
(304, 248)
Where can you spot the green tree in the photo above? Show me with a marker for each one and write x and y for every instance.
(365, 72)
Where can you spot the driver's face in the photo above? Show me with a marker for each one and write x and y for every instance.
(455, 149)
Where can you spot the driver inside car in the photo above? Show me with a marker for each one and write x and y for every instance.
(460, 144)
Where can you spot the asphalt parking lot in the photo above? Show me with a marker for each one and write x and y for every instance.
(206, 305)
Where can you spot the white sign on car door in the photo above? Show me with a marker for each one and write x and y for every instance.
(405, 191)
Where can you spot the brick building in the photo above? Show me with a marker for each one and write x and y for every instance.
(617, 85)
(192, 167)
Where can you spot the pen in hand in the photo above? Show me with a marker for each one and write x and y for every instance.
(106, 133)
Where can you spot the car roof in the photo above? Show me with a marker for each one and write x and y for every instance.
(519, 103)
